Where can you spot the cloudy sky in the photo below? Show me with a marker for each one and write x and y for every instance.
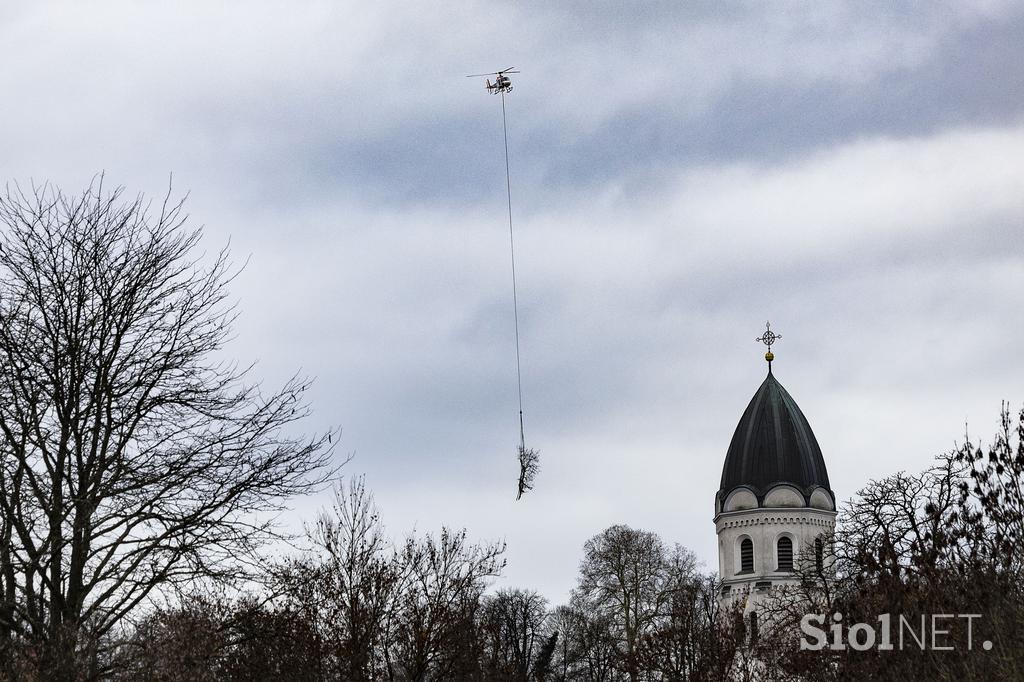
(681, 172)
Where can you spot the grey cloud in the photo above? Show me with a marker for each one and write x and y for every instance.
(679, 174)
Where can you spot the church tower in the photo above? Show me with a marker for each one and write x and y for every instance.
(774, 503)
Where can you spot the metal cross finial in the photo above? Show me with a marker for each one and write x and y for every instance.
(768, 338)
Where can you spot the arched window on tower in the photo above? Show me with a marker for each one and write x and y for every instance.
(819, 554)
(747, 556)
(753, 628)
(785, 550)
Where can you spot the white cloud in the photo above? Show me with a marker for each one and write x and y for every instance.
(888, 260)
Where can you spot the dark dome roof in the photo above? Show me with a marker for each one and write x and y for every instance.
(773, 444)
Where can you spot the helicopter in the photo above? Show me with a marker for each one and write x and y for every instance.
(502, 83)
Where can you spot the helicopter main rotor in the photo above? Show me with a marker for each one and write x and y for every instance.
(502, 83)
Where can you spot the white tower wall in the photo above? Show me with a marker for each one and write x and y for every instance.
(764, 525)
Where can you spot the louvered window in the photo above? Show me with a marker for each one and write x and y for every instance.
(747, 556)
(819, 554)
(785, 554)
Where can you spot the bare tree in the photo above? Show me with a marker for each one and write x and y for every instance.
(511, 625)
(133, 455)
(689, 641)
(587, 648)
(623, 575)
(348, 585)
(435, 613)
(208, 636)
(993, 490)
(361, 573)
(942, 541)
(381, 612)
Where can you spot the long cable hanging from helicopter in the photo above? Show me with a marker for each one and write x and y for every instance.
(529, 462)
